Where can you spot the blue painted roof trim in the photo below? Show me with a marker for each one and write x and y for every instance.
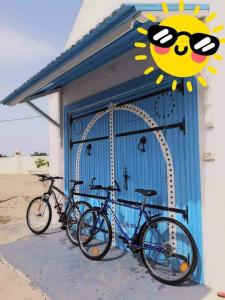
(110, 23)
(117, 17)
(171, 6)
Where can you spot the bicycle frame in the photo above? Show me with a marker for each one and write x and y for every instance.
(142, 212)
(51, 191)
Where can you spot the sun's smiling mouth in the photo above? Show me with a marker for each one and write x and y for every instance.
(182, 52)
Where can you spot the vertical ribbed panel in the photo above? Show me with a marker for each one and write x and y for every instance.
(148, 169)
(145, 169)
(97, 164)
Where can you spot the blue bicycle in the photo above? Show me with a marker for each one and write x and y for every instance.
(166, 246)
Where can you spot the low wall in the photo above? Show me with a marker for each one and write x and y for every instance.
(21, 165)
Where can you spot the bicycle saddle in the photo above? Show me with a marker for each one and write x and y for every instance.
(146, 193)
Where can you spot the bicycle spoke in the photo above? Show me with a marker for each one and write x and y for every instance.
(94, 227)
(165, 261)
(38, 215)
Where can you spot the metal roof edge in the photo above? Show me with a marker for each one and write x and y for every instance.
(116, 19)
(171, 6)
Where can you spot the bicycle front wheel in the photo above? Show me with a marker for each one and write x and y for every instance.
(72, 220)
(39, 215)
(94, 234)
(168, 250)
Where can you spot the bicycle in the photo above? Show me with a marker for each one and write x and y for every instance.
(39, 211)
(167, 248)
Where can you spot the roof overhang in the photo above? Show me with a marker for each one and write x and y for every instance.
(110, 39)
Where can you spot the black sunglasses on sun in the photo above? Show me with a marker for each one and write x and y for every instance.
(200, 43)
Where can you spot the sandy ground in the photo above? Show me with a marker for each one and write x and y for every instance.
(15, 286)
(16, 191)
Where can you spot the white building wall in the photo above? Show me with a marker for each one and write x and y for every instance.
(21, 165)
(211, 124)
(211, 114)
(56, 159)
(115, 72)
(55, 134)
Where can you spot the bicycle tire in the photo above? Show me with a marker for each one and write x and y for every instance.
(193, 265)
(28, 217)
(73, 237)
(92, 211)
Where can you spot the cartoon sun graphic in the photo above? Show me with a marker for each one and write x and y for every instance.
(181, 45)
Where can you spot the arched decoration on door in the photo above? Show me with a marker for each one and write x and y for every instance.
(161, 140)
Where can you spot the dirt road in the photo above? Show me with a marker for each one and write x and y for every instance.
(15, 193)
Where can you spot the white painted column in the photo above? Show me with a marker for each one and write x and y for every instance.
(56, 157)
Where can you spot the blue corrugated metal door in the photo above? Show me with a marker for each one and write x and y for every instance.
(163, 162)
(159, 163)
(168, 161)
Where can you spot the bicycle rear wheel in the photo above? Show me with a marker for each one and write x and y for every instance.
(72, 220)
(168, 250)
(94, 234)
(39, 215)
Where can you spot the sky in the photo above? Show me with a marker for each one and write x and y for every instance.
(32, 33)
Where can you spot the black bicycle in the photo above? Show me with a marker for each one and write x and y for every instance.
(39, 211)
(166, 246)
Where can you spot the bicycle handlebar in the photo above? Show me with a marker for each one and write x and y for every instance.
(77, 182)
(100, 187)
(96, 187)
(44, 177)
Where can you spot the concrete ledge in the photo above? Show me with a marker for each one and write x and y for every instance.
(35, 292)
(62, 272)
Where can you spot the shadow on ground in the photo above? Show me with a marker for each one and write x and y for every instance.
(61, 271)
